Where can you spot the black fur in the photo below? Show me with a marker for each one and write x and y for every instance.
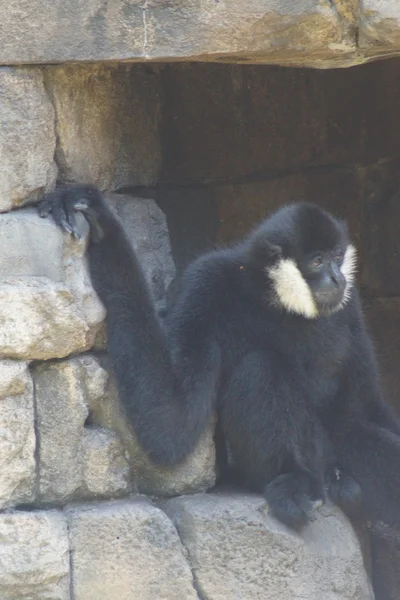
(298, 400)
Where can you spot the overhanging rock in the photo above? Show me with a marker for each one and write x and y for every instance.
(313, 33)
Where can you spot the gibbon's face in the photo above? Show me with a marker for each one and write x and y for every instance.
(314, 275)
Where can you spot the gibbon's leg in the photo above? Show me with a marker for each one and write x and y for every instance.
(385, 561)
(371, 455)
(275, 443)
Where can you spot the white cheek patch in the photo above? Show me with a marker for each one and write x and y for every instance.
(348, 269)
(291, 289)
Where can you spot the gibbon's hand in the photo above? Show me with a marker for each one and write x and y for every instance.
(64, 202)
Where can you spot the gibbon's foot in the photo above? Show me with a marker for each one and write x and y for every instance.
(292, 497)
(64, 202)
(345, 492)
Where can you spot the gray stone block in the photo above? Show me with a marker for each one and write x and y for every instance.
(17, 439)
(129, 551)
(34, 556)
(76, 460)
(27, 136)
(238, 551)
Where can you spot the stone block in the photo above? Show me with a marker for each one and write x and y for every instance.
(17, 440)
(49, 31)
(27, 137)
(129, 551)
(379, 28)
(238, 551)
(48, 308)
(309, 33)
(76, 458)
(107, 124)
(34, 556)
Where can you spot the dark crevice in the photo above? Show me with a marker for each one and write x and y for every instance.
(349, 17)
(37, 437)
(89, 422)
(57, 149)
(71, 563)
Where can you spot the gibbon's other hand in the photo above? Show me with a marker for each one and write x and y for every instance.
(64, 202)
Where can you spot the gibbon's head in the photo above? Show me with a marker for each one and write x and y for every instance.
(307, 258)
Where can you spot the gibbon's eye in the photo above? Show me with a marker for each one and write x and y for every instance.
(316, 262)
(338, 256)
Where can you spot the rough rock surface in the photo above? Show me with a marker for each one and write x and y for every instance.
(89, 461)
(379, 28)
(27, 136)
(308, 33)
(134, 547)
(17, 439)
(107, 121)
(146, 227)
(238, 551)
(47, 306)
(34, 556)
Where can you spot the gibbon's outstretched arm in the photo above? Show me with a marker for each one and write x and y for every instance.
(168, 400)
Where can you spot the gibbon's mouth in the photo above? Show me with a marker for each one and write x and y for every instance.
(331, 303)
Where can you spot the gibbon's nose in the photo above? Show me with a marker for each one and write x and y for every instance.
(331, 287)
(337, 278)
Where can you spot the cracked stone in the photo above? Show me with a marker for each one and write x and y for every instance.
(136, 549)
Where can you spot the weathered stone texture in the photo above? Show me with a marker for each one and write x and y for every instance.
(107, 123)
(146, 227)
(34, 556)
(47, 307)
(238, 551)
(309, 33)
(258, 31)
(129, 551)
(379, 28)
(75, 460)
(52, 31)
(17, 440)
(27, 136)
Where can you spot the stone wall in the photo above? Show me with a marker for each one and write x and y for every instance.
(317, 33)
(216, 147)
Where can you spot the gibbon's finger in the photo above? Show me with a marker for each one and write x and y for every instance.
(44, 206)
(70, 215)
(60, 216)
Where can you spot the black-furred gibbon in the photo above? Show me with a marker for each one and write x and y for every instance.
(268, 334)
